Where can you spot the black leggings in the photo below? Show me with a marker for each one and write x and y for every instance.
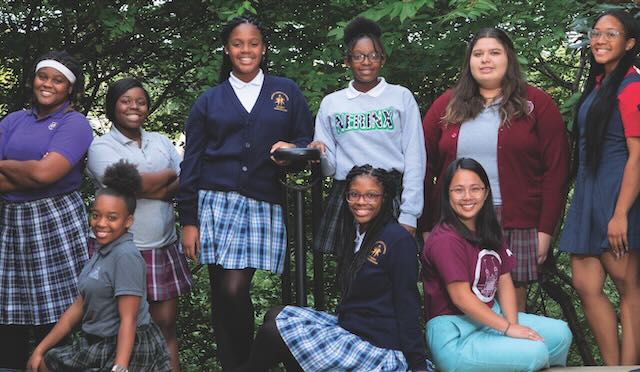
(14, 343)
(269, 348)
(231, 314)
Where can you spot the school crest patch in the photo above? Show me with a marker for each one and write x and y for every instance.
(280, 100)
(379, 249)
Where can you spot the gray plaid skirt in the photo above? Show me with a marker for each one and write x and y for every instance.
(91, 353)
(330, 229)
(43, 247)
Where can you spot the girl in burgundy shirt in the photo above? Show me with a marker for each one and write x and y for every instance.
(466, 264)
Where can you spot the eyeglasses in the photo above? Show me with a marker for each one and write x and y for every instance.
(460, 192)
(368, 197)
(609, 35)
(372, 57)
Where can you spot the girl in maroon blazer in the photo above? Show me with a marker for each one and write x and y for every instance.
(516, 132)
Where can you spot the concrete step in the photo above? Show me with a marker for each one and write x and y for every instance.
(593, 369)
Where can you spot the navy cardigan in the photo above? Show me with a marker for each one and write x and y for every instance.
(383, 303)
(227, 148)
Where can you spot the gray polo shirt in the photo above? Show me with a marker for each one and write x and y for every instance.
(117, 269)
(478, 139)
(154, 225)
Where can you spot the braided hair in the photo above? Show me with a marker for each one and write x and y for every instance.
(122, 180)
(227, 29)
(349, 263)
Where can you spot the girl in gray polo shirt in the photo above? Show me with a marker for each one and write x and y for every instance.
(117, 330)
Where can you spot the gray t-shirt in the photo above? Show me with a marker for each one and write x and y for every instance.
(478, 139)
(116, 269)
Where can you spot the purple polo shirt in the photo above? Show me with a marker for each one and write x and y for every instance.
(25, 137)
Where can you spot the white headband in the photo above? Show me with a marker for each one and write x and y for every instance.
(58, 66)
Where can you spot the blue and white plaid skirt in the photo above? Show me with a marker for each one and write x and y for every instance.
(237, 232)
(43, 247)
(319, 344)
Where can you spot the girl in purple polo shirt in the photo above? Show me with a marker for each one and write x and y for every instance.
(466, 264)
(602, 230)
(43, 224)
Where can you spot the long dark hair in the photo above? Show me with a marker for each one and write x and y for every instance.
(77, 88)
(466, 102)
(359, 28)
(606, 97)
(228, 28)
(122, 179)
(488, 233)
(349, 263)
(116, 90)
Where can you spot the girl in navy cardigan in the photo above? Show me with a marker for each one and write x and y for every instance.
(229, 199)
(377, 324)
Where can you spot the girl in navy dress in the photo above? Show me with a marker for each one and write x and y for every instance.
(602, 231)
(230, 200)
(377, 327)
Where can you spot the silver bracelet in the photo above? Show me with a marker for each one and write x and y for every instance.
(119, 368)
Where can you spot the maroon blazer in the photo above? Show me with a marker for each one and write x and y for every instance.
(533, 163)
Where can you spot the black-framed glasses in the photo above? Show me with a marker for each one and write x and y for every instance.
(609, 35)
(368, 197)
(372, 57)
(474, 191)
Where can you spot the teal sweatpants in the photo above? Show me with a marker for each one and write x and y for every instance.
(457, 343)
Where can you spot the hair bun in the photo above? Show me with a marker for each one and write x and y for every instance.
(361, 26)
(123, 177)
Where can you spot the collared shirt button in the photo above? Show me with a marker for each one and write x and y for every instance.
(247, 145)
(244, 168)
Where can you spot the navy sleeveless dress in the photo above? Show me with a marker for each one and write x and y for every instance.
(596, 192)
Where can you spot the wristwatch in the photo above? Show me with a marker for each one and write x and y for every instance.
(119, 368)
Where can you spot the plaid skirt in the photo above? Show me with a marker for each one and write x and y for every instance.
(330, 229)
(524, 245)
(43, 247)
(237, 232)
(168, 275)
(319, 344)
(99, 354)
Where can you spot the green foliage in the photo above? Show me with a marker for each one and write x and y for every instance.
(174, 47)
